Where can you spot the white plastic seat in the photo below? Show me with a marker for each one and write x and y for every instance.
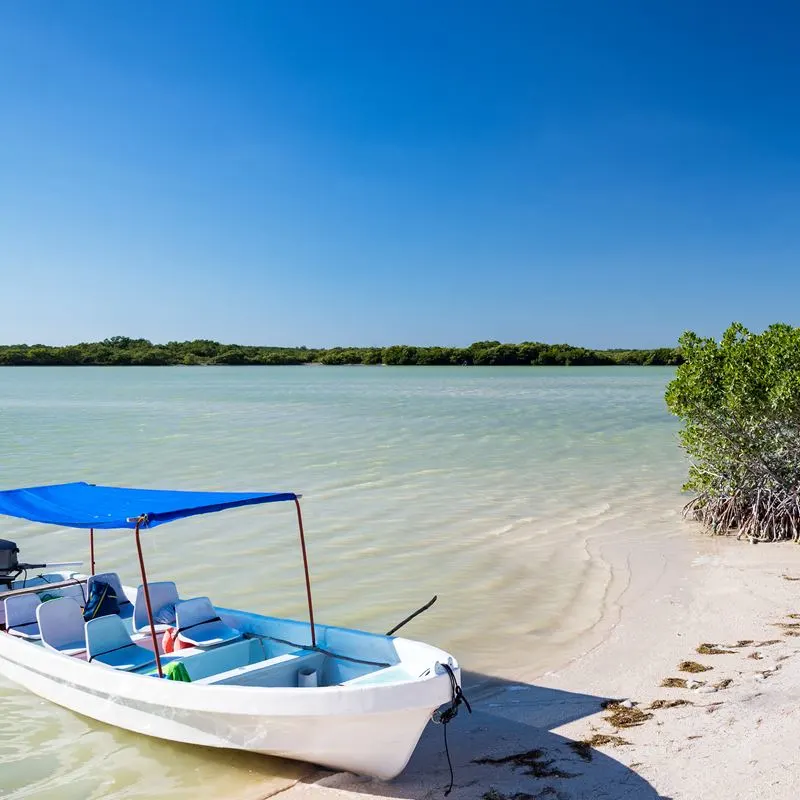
(61, 625)
(162, 593)
(108, 642)
(21, 615)
(199, 624)
(112, 579)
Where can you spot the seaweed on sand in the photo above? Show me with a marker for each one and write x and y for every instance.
(623, 717)
(584, 747)
(708, 649)
(670, 703)
(533, 762)
(693, 666)
(493, 794)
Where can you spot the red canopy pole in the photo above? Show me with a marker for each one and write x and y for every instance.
(305, 567)
(91, 547)
(147, 600)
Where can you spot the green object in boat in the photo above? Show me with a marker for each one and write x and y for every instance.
(176, 671)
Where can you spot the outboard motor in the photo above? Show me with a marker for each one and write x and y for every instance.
(9, 565)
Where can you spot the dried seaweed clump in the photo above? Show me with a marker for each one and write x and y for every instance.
(674, 683)
(693, 666)
(670, 703)
(707, 649)
(533, 762)
(493, 794)
(623, 717)
(585, 746)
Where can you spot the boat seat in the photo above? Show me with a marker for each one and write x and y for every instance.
(108, 641)
(112, 579)
(162, 594)
(21, 616)
(199, 624)
(61, 626)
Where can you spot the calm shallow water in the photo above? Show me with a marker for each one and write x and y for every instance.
(502, 490)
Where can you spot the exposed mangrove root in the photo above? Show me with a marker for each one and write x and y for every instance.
(753, 512)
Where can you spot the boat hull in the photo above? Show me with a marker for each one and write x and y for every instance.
(370, 730)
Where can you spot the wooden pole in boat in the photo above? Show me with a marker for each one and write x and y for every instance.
(91, 547)
(305, 568)
(147, 600)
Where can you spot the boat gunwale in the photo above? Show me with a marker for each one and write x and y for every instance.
(162, 690)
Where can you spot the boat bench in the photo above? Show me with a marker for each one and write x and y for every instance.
(280, 671)
(202, 664)
(398, 672)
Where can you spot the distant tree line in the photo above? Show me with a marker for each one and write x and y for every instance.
(123, 351)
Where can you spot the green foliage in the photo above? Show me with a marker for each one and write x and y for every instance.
(124, 351)
(739, 401)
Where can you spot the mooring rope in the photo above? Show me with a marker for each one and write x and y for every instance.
(448, 715)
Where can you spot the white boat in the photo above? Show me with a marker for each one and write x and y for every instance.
(344, 699)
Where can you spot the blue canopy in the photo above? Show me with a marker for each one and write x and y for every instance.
(84, 505)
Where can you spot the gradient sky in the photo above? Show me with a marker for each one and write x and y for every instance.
(321, 173)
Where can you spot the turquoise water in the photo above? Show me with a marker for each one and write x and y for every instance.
(512, 494)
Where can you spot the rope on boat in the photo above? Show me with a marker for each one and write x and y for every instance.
(448, 715)
(69, 580)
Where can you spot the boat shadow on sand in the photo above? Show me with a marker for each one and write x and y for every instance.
(505, 750)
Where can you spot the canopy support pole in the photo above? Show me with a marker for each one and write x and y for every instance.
(91, 547)
(147, 600)
(305, 568)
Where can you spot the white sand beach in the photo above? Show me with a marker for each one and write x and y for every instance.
(731, 737)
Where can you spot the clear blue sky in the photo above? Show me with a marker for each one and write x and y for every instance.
(337, 172)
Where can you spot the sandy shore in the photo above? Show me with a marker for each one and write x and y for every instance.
(734, 736)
